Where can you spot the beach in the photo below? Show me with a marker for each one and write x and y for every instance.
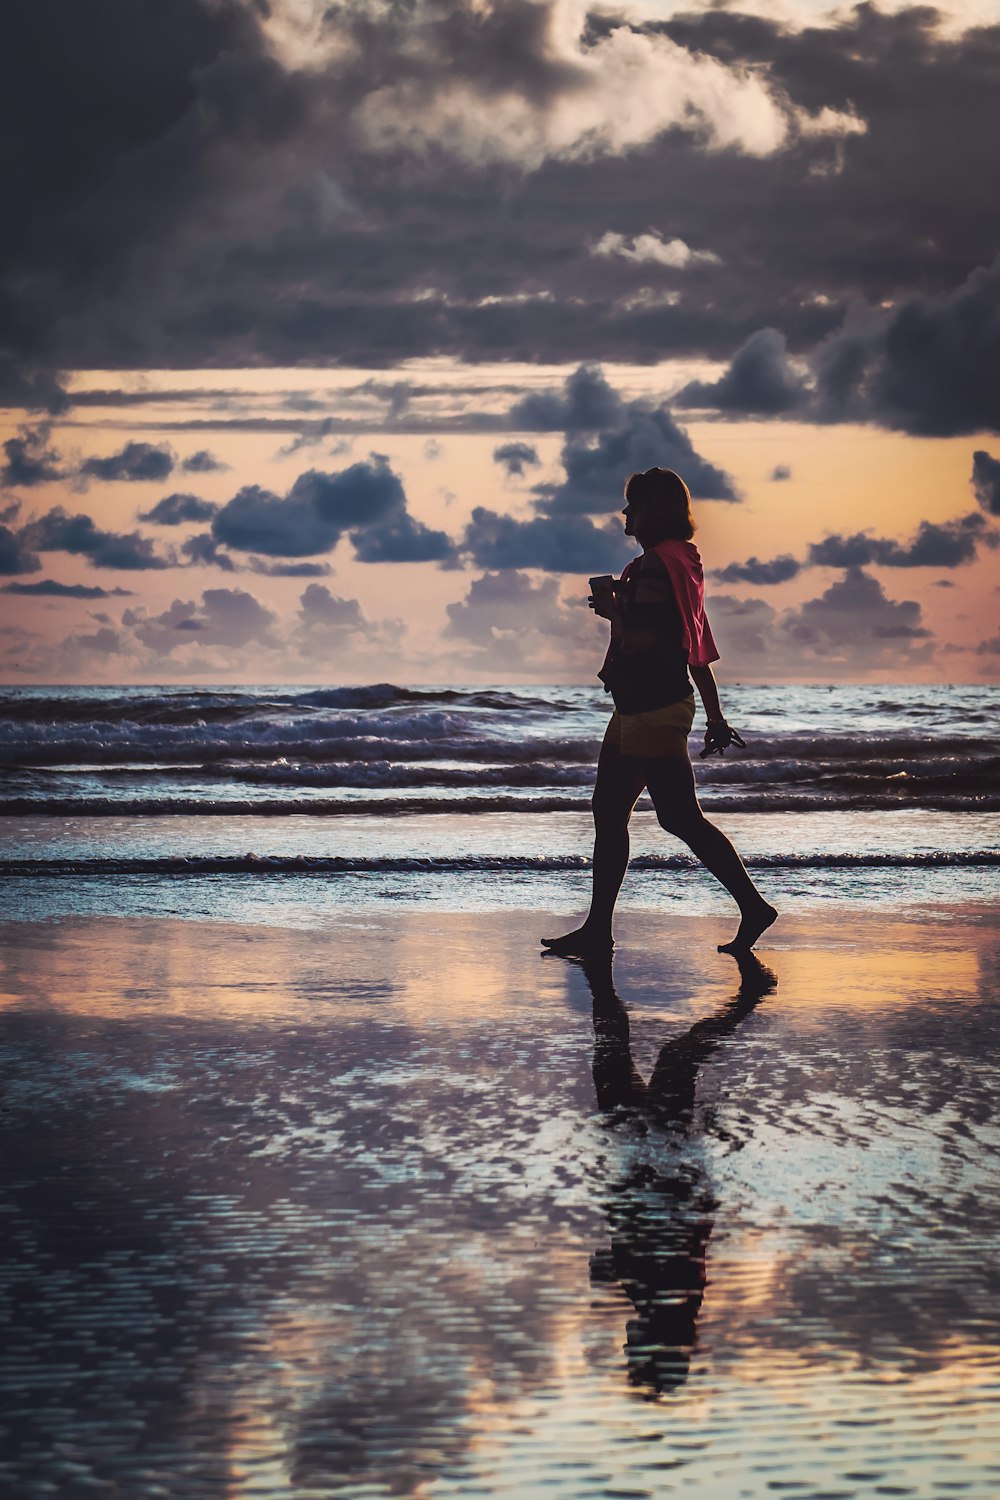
(394, 1205)
(319, 1178)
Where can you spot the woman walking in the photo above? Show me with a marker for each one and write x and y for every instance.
(659, 634)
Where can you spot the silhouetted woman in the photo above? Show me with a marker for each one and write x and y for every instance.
(659, 633)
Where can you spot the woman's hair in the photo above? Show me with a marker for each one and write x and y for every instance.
(666, 504)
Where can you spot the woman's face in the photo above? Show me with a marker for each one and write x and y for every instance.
(633, 517)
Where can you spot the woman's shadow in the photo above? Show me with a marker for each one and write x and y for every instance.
(660, 1206)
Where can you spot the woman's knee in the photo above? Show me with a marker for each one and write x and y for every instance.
(683, 822)
(609, 811)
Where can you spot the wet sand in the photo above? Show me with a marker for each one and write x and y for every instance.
(396, 1206)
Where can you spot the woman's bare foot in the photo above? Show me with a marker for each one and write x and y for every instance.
(755, 921)
(585, 942)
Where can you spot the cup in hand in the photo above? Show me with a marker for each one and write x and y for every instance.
(602, 589)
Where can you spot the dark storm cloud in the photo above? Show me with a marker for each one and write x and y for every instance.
(135, 462)
(176, 509)
(202, 462)
(515, 457)
(929, 369)
(220, 206)
(780, 472)
(15, 555)
(30, 460)
(366, 500)
(759, 382)
(49, 588)
(32, 390)
(557, 544)
(948, 544)
(776, 570)
(986, 481)
(58, 531)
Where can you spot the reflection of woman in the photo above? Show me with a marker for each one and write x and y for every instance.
(661, 1210)
(659, 633)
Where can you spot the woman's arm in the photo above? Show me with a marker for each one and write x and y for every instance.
(718, 734)
(708, 691)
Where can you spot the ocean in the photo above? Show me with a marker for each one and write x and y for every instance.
(274, 803)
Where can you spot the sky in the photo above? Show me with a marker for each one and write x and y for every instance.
(330, 332)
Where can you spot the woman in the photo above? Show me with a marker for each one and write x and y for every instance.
(659, 633)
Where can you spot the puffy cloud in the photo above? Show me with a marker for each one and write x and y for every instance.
(137, 462)
(176, 509)
(555, 544)
(402, 539)
(30, 460)
(50, 589)
(326, 622)
(520, 84)
(776, 570)
(515, 457)
(852, 628)
(257, 520)
(202, 462)
(366, 500)
(58, 531)
(222, 617)
(986, 481)
(203, 549)
(651, 249)
(15, 555)
(761, 381)
(779, 473)
(586, 403)
(855, 624)
(632, 436)
(507, 620)
(945, 545)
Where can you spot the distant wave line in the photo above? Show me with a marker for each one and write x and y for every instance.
(307, 864)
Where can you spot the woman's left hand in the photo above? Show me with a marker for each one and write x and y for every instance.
(718, 738)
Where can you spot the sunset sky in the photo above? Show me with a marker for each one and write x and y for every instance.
(329, 334)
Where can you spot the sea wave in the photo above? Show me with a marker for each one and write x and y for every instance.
(304, 864)
(219, 706)
(443, 736)
(379, 801)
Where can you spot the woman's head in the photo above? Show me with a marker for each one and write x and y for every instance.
(658, 507)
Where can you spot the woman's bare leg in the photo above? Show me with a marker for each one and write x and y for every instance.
(620, 781)
(670, 780)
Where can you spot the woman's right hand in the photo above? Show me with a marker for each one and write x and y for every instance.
(603, 604)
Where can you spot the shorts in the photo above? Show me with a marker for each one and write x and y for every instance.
(662, 731)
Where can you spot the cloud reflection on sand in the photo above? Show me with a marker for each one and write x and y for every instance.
(324, 1209)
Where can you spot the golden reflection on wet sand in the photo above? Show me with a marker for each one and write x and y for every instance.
(401, 1208)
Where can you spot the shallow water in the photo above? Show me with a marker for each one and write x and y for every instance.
(398, 1208)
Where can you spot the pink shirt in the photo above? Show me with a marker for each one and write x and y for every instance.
(683, 563)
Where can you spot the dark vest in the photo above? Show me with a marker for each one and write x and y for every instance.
(641, 681)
